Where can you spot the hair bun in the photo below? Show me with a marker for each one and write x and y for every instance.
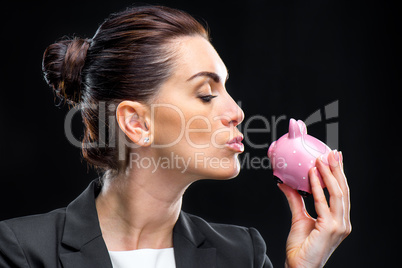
(62, 65)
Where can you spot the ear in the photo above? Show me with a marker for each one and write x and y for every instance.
(302, 126)
(133, 120)
(294, 129)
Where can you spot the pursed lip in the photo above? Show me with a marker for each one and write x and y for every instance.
(236, 139)
(236, 144)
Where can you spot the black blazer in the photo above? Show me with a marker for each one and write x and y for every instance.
(71, 238)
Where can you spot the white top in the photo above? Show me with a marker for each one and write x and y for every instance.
(144, 258)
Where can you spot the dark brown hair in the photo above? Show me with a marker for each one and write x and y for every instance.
(128, 58)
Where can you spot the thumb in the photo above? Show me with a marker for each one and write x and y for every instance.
(296, 202)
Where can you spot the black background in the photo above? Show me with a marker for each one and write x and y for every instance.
(286, 58)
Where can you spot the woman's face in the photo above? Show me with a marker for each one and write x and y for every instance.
(194, 117)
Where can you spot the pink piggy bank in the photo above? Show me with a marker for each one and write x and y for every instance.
(294, 154)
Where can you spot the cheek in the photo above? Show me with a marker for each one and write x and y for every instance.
(169, 123)
(187, 126)
(198, 131)
(197, 140)
(207, 132)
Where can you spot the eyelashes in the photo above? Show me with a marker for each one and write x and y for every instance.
(207, 98)
(205, 92)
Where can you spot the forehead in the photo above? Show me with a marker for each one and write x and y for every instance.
(195, 54)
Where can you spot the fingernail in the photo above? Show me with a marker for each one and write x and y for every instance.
(315, 172)
(336, 158)
(341, 156)
(324, 160)
(336, 154)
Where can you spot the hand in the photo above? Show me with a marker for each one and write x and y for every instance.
(311, 241)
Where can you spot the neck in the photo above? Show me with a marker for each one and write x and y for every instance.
(139, 210)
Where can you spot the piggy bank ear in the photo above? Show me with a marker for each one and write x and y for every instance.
(302, 127)
(294, 129)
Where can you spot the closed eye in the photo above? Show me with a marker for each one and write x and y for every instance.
(207, 98)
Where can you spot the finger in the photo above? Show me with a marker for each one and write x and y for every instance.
(296, 202)
(320, 202)
(336, 166)
(336, 201)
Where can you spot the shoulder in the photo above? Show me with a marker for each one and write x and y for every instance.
(219, 230)
(232, 240)
(26, 237)
(35, 226)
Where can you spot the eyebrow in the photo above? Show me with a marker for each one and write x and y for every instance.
(213, 76)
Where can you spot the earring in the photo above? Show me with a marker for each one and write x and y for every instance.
(146, 140)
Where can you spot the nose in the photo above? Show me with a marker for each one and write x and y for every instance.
(233, 114)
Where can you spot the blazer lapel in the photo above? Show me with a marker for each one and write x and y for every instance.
(83, 245)
(189, 245)
(82, 242)
(93, 254)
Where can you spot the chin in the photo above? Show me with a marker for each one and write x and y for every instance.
(227, 172)
(215, 168)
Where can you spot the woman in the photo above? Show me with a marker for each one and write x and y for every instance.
(157, 117)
